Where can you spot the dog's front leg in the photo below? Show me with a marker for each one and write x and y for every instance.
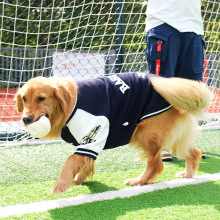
(72, 166)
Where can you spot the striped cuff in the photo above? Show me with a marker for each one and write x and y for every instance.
(86, 152)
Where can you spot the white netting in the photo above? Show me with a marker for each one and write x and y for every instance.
(84, 38)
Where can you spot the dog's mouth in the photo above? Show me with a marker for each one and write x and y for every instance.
(28, 119)
(41, 115)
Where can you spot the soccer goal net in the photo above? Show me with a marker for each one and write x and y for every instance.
(84, 39)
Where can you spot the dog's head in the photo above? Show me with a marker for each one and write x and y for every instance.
(50, 97)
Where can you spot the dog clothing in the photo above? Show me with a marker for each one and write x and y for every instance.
(108, 109)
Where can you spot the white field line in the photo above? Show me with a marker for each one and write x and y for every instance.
(21, 209)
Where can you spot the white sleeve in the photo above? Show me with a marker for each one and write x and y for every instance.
(90, 132)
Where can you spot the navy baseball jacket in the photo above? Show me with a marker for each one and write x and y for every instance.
(108, 109)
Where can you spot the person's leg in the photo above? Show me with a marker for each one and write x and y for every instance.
(182, 56)
(191, 60)
(171, 48)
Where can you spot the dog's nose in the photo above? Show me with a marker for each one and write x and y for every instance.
(27, 119)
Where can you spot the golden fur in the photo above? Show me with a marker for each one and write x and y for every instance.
(173, 130)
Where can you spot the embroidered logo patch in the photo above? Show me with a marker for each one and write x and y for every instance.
(90, 138)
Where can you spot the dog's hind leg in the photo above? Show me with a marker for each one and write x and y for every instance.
(186, 132)
(151, 136)
(192, 163)
(148, 138)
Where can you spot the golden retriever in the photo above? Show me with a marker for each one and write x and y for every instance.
(173, 129)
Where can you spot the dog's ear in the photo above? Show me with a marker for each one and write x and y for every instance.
(65, 93)
(19, 102)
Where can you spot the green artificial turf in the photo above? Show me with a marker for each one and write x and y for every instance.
(199, 201)
(27, 174)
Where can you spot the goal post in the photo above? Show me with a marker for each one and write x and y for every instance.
(84, 39)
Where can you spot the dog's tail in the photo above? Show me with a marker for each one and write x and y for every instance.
(184, 94)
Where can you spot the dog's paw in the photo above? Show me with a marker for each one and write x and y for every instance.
(134, 181)
(79, 179)
(59, 187)
(184, 174)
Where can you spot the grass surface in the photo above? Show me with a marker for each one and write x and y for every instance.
(29, 172)
(190, 202)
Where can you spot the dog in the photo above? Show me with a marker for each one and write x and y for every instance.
(149, 112)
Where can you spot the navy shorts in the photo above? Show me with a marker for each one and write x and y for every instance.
(182, 54)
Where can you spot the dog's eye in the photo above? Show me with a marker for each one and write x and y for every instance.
(24, 98)
(40, 99)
